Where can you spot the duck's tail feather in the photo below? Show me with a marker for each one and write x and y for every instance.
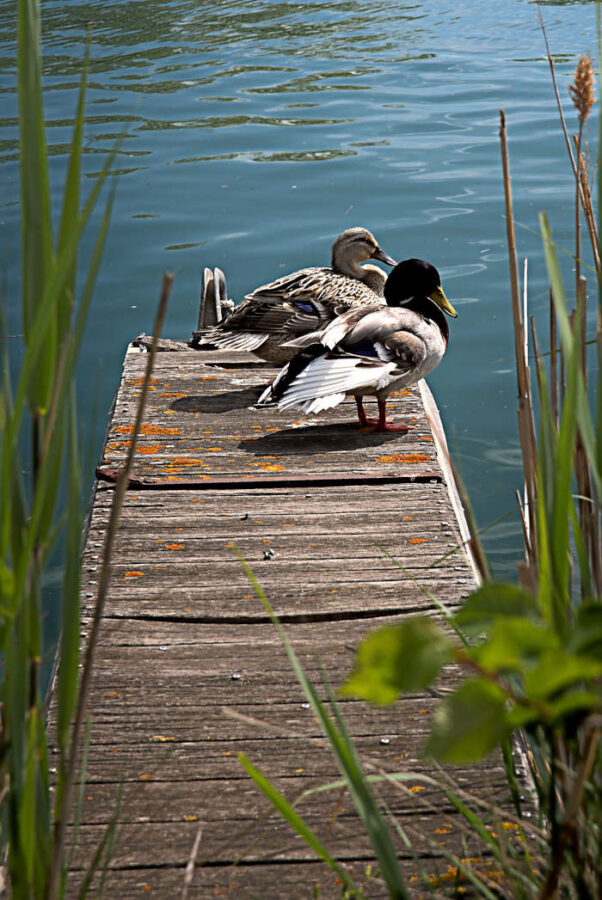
(235, 340)
(287, 376)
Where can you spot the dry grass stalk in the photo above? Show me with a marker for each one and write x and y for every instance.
(582, 88)
(526, 424)
(189, 873)
(577, 140)
(528, 550)
(63, 814)
(585, 193)
(587, 503)
(583, 97)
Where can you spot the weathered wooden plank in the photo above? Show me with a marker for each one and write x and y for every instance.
(264, 839)
(301, 881)
(221, 801)
(200, 423)
(180, 605)
(323, 557)
(189, 670)
(232, 639)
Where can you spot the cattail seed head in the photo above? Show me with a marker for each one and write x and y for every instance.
(582, 88)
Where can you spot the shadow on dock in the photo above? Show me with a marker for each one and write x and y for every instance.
(313, 439)
(223, 402)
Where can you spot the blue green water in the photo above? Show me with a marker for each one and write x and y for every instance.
(256, 131)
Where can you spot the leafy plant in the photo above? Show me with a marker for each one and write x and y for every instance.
(532, 656)
(529, 655)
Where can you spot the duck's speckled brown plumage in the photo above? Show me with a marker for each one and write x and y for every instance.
(305, 300)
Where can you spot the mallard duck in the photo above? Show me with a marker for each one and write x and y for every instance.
(370, 350)
(306, 300)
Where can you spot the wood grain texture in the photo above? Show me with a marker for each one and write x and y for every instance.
(190, 672)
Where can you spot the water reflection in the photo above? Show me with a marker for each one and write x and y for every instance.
(396, 108)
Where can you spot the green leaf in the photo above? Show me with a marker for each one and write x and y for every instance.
(587, 632)
(576, 702)
(468, 724)
(495, 599)
(557, 670)
(515, 645)
(398, 659)
(520, 716)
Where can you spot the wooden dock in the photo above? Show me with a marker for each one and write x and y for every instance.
(190, 671)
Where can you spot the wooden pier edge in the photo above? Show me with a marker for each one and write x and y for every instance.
(434, 418)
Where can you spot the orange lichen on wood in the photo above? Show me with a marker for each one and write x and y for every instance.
(185, 461)
(411, 458)
(174, 546)
(148, 429)
(150, 449)
(133, 574)
(417, 541)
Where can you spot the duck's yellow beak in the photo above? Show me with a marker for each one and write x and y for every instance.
(438, 297)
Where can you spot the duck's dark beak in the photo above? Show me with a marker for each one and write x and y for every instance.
(383, 257)
(438, 297)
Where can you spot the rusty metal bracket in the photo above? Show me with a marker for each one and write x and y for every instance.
(276, 481)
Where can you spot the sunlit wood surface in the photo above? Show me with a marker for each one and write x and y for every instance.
(189, 670)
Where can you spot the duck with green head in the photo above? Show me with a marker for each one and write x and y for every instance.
(370, 350)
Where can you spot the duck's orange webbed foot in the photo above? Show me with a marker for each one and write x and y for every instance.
(368, 423)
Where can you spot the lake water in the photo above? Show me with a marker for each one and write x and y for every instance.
(256, 131)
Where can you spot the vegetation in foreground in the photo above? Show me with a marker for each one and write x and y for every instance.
(530, 654)
(42, 508)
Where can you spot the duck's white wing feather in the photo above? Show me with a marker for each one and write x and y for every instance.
(325, 381)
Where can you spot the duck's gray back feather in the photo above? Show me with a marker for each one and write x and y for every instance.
(293, 305)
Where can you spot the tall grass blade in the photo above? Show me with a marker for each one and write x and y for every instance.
(35, 192)
(53, 288)
(296, 822)
(347, 761)
(70, 210)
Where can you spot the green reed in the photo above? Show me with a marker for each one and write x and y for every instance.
(36, 510)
